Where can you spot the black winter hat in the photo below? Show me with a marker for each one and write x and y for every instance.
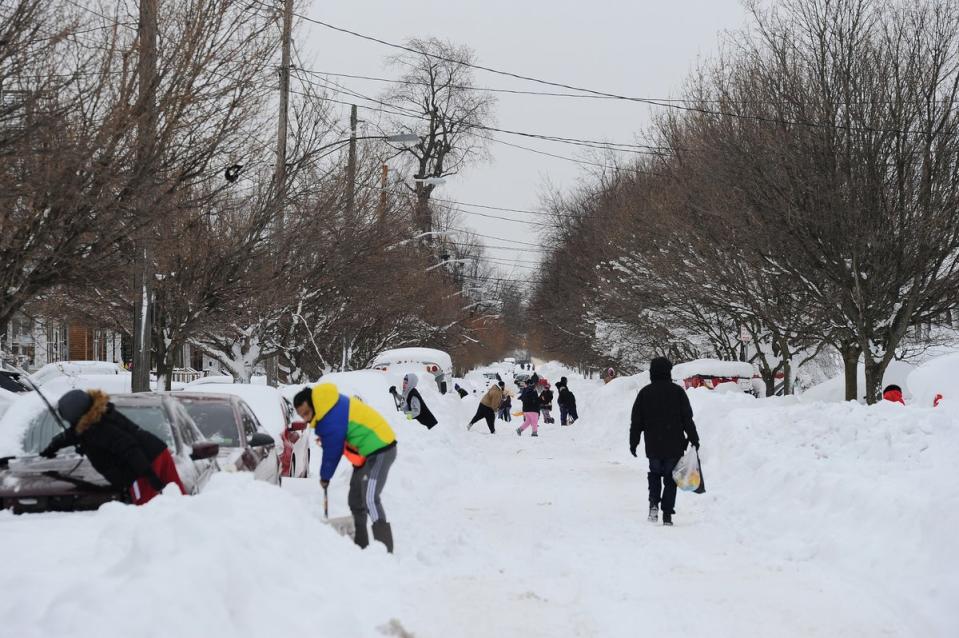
(73, 405)
(660, 369)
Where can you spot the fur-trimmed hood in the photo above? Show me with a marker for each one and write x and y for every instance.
(101, 403)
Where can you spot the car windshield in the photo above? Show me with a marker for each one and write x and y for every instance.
(152, 418)
(215, 419)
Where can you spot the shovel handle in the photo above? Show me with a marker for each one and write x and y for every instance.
(326, 503)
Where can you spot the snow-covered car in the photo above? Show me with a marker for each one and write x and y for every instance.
(74, 368)
(31, 483)
(245, 446)
(435, 362)
(277, 416)
(713, 373)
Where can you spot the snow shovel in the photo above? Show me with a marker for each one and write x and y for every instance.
(343, 525)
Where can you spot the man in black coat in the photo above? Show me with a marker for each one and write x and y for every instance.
(126, 455)
(567, 403)
(663, 412)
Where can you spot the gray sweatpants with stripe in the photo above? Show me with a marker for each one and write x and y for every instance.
(366, 485)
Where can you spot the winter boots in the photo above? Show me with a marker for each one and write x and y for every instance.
(519, 431)
(383, 533)
(667, 519)
(361, 536)
(535, 434)
(654, 513)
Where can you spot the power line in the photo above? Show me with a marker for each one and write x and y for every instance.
(594, 92)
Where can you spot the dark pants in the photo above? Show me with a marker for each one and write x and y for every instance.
(484, 412)
(505, 415)
(566, 411)
(366, 485)
(662, 488)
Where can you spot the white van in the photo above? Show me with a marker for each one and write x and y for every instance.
(435, 362)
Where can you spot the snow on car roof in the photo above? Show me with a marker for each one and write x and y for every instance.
(265, 401)
(426, 355)
(713, 368)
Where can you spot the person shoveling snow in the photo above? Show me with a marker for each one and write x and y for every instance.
(663, 412)
(348, 427)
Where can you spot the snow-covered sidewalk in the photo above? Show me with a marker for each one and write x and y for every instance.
(820, 520)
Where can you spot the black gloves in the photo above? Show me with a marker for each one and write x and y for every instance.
(56, 443)
(695, 444)
(49, 452)
(392, 389)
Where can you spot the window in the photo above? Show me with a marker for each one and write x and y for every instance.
(216, 420)
(151, 417)
(250, 425)
(40, 432)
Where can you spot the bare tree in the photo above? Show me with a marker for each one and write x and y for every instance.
(436, 99)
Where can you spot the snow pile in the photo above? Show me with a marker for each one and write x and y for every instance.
(819, 519)
(713, 368)
(865, 490)
(834, 390)
(938, 376)
(243, 558)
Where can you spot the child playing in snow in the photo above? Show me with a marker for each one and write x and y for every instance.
(531, 405)
(567, 403)
(505, 406)
(546, 404)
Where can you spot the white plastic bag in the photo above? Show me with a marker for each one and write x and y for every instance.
(687, 474)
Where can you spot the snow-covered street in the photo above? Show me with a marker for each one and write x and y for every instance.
(819, 520)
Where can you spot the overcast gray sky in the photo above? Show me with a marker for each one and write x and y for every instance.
(638, 48)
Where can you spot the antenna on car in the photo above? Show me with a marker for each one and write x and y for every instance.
(56, 415)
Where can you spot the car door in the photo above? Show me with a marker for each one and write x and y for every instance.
(266, 465)
(199, 471)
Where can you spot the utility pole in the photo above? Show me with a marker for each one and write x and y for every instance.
(281, 129)
(146, 142)
(351, 167)
(279, 174)
(384, 177)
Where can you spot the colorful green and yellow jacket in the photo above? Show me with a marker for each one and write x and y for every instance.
(347, 426)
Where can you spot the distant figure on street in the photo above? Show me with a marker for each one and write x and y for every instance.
(546, 402)
(531, 406)
(505, 406)
(567, 403)
(414, 405)
(608, 375)
(662, 411)
(488, 406)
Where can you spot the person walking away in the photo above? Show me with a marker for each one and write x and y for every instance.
(567, 403)
(348, 427)
(127, 456)
(505, 406)
(546, 404)
(893, 393)
(414, 405)
(488, 406)
(662, 411)
(531, 406)
(460, 391)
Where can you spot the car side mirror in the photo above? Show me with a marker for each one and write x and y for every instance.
(260, 439)
(298, 426)
(204, 450)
